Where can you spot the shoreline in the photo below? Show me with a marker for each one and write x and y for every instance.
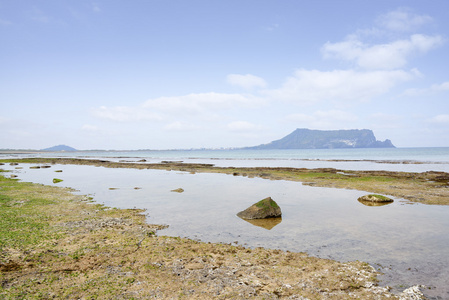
(81, 249)
(431, 187)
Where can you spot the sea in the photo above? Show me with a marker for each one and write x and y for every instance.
(389, 159)
(408, 242)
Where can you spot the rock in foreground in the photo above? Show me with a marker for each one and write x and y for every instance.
(266, 208)
(375, 198)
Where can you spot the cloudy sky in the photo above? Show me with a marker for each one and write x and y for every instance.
(155, 74)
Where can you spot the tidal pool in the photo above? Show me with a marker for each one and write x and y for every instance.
(407, 242)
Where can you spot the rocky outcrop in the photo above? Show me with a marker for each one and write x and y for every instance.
(266, 208)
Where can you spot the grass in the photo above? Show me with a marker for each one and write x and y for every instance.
(21, 223)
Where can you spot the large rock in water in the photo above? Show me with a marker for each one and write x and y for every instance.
(266, 208)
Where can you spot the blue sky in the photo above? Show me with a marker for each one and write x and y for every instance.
(191, 74)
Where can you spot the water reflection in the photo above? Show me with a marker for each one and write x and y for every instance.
(371, 203)
(268, 223)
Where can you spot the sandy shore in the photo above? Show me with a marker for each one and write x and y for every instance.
(59, 245)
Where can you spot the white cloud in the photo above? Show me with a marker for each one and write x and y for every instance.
(88, 127)
(385, 121)
(309, 86)
(441, 119)
(126, 114)
(323, 119)
(247, 81)
(435, 88)
(402, 19)
(201, 102)
(382, 56)
(180, 126)
(440, 87)
(181, 110)
(243, 126)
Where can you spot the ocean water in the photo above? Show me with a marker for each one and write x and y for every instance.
(390, 159)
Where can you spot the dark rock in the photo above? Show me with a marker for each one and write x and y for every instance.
(266, 208)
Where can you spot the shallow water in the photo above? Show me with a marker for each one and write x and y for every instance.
(408, 242)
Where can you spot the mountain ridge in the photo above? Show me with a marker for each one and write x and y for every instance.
(303, 138)
(60, 148)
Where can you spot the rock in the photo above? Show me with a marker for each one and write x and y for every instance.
(180, 190)
(266, 208)
(375, 198)
(35, 167)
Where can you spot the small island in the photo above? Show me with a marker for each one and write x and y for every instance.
(303, 138)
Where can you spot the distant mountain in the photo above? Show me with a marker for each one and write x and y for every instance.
(303, 138)
(60, 148)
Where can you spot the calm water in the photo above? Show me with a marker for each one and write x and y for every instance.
(423, 159)
(409, 243)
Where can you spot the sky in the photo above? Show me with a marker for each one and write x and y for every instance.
(180, 74)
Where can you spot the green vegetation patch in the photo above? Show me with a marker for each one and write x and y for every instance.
(57, 180)
(266, 203)
(381, 197)
(22, 224)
